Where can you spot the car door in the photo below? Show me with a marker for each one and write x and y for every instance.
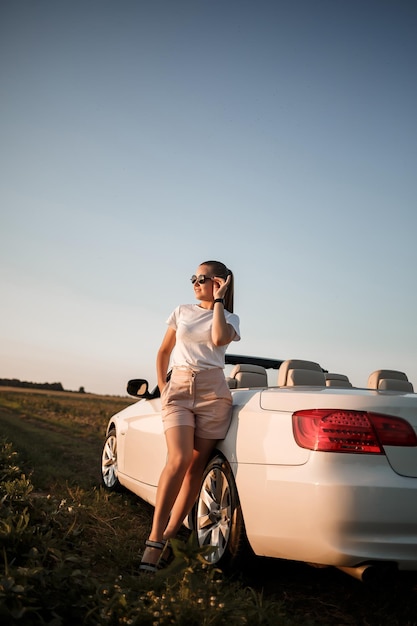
(144, 446)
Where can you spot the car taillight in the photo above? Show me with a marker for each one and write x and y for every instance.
(337, 430)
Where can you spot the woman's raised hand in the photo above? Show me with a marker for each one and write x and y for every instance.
(220, 286)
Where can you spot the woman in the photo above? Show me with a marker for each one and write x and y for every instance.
(196, 401)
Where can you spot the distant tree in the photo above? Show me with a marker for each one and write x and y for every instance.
(53, 386)
(15, 382)
(81, 390)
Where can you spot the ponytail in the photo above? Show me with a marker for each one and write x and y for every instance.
(219, 269)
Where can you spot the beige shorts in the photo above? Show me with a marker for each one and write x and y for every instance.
(199, 399)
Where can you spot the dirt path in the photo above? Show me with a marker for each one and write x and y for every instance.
(52, 454)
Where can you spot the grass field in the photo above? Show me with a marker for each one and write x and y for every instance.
(69, 550)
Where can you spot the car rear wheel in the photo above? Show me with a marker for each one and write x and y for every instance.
(109, 477)
(218, 516)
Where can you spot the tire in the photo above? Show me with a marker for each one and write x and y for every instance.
(218, 520)
(109, 478)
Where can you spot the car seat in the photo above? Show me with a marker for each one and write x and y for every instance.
(245, 375)
(295, 372)
(389, 380)
(337, 380)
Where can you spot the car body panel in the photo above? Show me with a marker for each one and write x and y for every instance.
(259, 437)
(141, 443)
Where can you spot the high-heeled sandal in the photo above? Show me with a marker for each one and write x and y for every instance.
(167, 556)
(149, 566)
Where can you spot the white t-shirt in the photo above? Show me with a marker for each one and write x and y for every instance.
(194, 347)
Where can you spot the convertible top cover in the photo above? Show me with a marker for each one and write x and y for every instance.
(235, 359)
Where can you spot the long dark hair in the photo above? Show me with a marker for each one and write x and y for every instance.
(219, 269)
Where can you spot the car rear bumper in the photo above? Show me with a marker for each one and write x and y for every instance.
(331, 511)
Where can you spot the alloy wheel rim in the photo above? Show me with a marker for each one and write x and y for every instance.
(214, 513)
(109, 462)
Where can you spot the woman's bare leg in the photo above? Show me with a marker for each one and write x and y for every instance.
(190, 485)
(180, 444)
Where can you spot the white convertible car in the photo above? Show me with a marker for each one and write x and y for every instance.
(311, 469)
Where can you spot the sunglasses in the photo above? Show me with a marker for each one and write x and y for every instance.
(201, 279)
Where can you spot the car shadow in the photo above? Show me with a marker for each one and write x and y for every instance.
(327, 595)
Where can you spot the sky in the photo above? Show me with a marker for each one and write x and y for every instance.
(139, 138)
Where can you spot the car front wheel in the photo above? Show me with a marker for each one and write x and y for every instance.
(218, 516)
(109, 477)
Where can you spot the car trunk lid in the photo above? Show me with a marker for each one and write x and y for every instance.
(402, 459)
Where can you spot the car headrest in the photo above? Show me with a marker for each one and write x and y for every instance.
(245, 375)
(298, 372)
(389, 380)
(337, 380)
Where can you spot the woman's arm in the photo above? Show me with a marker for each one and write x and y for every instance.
(162, 359)
(222, 333)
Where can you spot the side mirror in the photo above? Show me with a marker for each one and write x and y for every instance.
(138, 387)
